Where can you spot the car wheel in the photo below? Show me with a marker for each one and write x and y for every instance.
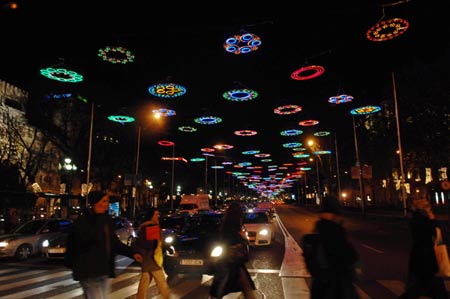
(23, 252)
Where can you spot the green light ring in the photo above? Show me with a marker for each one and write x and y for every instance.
(121, 118)
(292, 144)
(167, 90)
(61, 75)
(107, 55)
(251, 152)
(197, 159)
(292, 132)
(322, 152)
(187, 129)
(321, 134)
(232, 95)
(208, 120)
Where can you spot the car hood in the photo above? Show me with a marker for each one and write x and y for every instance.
(12, 236)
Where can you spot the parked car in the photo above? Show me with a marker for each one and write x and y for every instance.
(26, 240)
(260, 228)
(55, 247)
(188, 251)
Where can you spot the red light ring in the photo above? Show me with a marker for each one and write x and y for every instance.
(315, 69)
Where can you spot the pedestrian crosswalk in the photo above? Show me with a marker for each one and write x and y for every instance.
(21, 283)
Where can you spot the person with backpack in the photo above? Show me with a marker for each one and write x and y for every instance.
(148, 243)
(92, 246)
(329, 255)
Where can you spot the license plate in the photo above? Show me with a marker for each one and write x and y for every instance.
(56, 250)
(191, 262)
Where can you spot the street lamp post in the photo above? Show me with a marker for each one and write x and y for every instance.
(360, 170)
(173, 176)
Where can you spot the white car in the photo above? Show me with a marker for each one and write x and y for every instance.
(26, 240)
(260, 228)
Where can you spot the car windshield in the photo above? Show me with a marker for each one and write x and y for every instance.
(188, 206)
(31, 227)
(256, 218)
(172, 222)
(202, 223)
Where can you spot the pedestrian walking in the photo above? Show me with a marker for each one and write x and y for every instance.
(422, 265)
(92, 246)
(148, 243)
(334, 276)
(231, 275)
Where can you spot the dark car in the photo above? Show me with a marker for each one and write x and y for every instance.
(27, 239)
(189, 250)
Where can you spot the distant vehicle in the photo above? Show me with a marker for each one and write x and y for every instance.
(26, 240)
(55, 247)
(188, 251)
(260, 228)
(192, 204)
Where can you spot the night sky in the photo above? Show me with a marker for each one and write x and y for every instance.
(173, 45)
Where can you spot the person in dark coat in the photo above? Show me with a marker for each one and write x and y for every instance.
(151, 251)
(422, 265)
(231, 274)
(335, 281)
(94, 247)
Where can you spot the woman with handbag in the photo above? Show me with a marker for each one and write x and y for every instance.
(231, 275)
(422, 268)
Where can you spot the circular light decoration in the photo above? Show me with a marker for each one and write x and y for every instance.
(321, 133)
(292, 144)
(164, 112)
(322, 152)
(308, 72)
(299, 149)
(217, 167)
(365, 110)
(208, 150)
(287, 109)
(116, 55)
(208, 120)
(305, 168)
(386, 30)
(245, 133)
(223, 146)
(243, 164)
(208, 154)
(266, 160)
(242, 44)
(293, 132)
(167, 90)
(187, 129)
(262, 155)
(61, 75)
(300, 155)
(166, 143)
(251, 152)
(308, 123)
(227, 163)
(197, 159)
(240, 95)
(340, 99)
(121, 118)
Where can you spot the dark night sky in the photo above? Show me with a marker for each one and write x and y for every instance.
(187, 48)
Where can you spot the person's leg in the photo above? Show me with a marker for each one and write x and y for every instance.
(96, 288)
(161, 283)
(437, 288)
(144, 283)
(246, 285)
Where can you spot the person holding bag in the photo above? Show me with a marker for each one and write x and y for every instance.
(423, 279)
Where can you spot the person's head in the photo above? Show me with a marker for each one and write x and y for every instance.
(331, 205)
(232, 220)
(422, 206)
(152, 214)
(99, 201)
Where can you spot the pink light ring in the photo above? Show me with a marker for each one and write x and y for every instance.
(208, 150)
(308, 123)
(166, 143)
(315, 71)
(287, 109)
(245, 133)
(223, 146)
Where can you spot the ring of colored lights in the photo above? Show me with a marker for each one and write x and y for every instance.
(386, 30)
(217, 167)
(262, 155)
(300, 155)
(314, 70)
(292, 144)
(365, 110)
(61, 75)
(251, 152)
(266, 160)
(292, 132)
(308, 123)
(298, 149)
(287, 109)
(208, 150)
(343, 98)
(322, 133)
(121, 118)
(166, 143)
(322, 152)
(240, 95)
(167, 90)
(116, 55)
(223, 146)
(245, 133)
(208, 120)
(164, 112)
(187, 129)
(197, 159)
(242, 44)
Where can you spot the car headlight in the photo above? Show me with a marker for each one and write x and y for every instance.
(264, 232)
(45, 243)
(133, 234)
(168, 240)
(217, 251)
